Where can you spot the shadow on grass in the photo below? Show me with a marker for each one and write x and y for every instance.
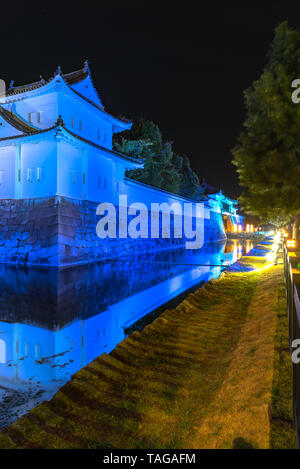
(241, 443)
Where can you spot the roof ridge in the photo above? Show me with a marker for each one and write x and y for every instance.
(75, 77)
(27, 87)
(72, 77)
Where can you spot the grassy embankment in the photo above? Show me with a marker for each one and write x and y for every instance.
(213, 373)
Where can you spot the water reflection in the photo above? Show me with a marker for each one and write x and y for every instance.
(54, 322)
(238, 248)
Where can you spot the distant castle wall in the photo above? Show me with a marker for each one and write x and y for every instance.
(57, 231)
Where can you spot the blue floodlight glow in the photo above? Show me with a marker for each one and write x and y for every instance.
(57, 165)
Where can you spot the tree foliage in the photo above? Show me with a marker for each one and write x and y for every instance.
(162, 167)
(267, 155)
(190, 185)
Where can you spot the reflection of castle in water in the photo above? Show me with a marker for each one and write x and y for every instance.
(2, 351)
(53, 322)
(238, 248)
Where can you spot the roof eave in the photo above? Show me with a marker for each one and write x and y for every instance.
(132, 163)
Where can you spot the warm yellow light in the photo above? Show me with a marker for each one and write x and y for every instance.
(240, 228)
(291, 243)
(235, 228)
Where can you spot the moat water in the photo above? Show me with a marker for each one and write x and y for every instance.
(53, 322)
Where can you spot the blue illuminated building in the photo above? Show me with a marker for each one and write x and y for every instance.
(57, 164)
(44, 155)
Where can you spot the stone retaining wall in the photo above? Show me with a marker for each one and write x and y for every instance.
(59, 231)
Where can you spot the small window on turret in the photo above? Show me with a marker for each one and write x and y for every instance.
(80, 125)
(34, 117)
(30, 173)
(72, 121)
(98, 134)
(39, 174)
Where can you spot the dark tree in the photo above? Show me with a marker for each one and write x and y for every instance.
(267, 155)
(190, 184)
(162, 168)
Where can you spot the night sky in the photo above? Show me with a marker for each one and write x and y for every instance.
(182, 67)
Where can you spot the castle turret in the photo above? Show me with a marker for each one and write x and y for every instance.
(56, 139)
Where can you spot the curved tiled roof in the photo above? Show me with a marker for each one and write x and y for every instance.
(78, 137)
(16, 122)
(28, 134)
(24, 88)
(70, 79)
(113, 152)
(76, 77)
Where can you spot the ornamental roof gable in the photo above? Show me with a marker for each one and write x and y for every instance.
(79, 83)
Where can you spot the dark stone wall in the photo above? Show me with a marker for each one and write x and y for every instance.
(29, 231)
(59, 231)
